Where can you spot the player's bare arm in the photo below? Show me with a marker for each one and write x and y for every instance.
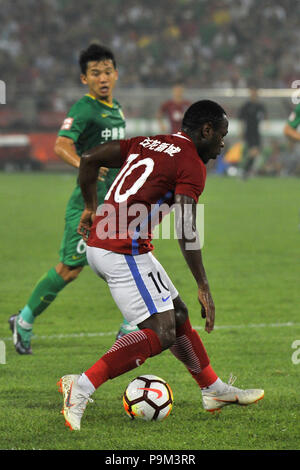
(108, 154)
(66, 150)
(292, 133)
(190, 247)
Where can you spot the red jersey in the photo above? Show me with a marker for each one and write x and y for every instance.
(174, 112)
(154, 170)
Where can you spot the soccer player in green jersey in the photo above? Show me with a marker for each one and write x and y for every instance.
(292, 132)
(292, 127)
(96, 118)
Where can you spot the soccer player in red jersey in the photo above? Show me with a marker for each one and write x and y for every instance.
(173, 110)
(156, 172)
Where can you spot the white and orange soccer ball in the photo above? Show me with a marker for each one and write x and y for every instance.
(148, 397)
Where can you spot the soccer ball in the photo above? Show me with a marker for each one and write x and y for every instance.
(148, 397)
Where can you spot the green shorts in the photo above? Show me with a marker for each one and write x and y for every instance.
(72, 250)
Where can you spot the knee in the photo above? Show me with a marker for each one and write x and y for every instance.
(163, 324)
(167, 337)
(181, 312)
(68, 273)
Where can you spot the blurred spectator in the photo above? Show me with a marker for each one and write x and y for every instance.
(271, 160)
(292, 132)
(173, 110)
(251, 114)
(209, 43)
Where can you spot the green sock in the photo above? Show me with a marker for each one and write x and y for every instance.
(43, 294)
(127, 327)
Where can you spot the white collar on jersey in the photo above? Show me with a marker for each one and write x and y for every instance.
(179, 134)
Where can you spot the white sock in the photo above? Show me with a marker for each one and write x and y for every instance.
(85, 383)
(217, 386)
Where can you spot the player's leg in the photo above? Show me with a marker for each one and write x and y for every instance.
(155, 334)
(190, 350)
(131, 283)
(125, 328)
(72, 255)
(142, 302)
(127, 353)
(42, 296)
(251, 155)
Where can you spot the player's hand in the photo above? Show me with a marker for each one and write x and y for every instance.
(85, 224)
(102, 173)
(207, 308)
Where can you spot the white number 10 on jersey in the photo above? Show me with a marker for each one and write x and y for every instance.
(126, 171)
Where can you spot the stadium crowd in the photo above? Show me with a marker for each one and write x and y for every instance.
(203, 43)
(216, 43)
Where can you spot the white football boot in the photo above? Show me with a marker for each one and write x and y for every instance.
(75, 400)
(229, 395)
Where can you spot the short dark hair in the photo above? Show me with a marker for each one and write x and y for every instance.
(201, 112)
(95, 52)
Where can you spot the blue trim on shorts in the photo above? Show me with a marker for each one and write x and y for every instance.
(135, 243)
(140, 284)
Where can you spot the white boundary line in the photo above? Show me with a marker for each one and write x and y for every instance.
(113, 333)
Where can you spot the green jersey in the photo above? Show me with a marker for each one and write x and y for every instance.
(294, 118)
(90, 122)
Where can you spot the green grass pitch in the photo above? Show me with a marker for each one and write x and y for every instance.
(251, 254)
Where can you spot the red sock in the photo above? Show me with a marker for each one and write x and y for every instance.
(128, 352)
(189, 349)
